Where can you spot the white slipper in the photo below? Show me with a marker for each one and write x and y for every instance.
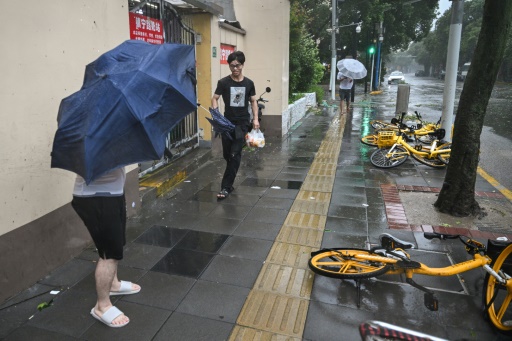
(109, 316)
(125, 289)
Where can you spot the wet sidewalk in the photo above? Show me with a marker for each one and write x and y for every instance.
(237, 269)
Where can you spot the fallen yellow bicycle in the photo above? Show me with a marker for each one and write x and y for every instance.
(390, 257)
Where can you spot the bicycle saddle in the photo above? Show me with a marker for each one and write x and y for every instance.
(389, 242)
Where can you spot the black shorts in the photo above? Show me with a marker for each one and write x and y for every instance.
(105, 218)
(345, 94)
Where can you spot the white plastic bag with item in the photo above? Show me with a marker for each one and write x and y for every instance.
(255, 138)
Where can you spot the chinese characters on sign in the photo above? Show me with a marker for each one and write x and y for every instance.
(146, 29)
(225, 51)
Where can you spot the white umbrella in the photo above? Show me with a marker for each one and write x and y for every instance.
(352, 68)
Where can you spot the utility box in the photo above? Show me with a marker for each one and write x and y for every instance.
(402, 98)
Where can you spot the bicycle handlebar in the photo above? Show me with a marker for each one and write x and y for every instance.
(442, 236)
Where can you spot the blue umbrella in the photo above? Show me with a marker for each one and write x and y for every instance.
(221, 125)
(131, 98)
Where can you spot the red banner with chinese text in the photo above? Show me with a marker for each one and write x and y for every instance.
(225, 51)
(146, 29)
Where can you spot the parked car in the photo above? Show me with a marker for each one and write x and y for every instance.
(396, 77)
(420, 73)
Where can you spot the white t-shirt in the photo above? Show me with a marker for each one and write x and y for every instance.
(345, 84)
(108, 185)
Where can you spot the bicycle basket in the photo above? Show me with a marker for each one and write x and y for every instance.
(386, 139)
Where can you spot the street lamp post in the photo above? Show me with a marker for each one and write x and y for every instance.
(354, 55)
(333, 31)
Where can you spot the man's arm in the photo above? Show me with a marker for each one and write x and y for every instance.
(254, 106)
(215, 101)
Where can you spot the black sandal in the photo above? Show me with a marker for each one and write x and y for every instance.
(223, 194)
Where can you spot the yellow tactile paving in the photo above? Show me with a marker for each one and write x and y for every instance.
(310, 206)
(318, 183)
(323, 169)
(249, 334)
(285, 280)
(307, 220)
(301, 236)
(290, 255)
(274, 313)
(276, 308)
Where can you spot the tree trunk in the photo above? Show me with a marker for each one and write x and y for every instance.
(457, 196)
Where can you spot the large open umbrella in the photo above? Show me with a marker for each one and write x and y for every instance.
(132, 96)
(352, 68)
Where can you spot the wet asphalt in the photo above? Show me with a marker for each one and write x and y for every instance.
(197, 259)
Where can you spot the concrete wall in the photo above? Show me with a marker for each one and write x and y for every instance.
(45, 47)
(267, 53)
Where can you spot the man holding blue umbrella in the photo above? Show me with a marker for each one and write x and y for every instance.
(132, 96)
(237, 92)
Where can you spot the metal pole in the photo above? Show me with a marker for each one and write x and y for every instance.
(452, 60)
(332, 86)
(354, 55)
(371, 78)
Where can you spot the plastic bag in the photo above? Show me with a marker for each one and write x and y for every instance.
(255, 138)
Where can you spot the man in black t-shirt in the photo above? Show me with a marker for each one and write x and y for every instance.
(237, 92)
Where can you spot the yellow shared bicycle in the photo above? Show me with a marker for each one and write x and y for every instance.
(394, 149)
(390, 257)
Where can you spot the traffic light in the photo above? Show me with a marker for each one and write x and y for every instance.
(371, 50)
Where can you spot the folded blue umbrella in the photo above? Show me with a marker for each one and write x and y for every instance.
(131, 98)
(221, 125)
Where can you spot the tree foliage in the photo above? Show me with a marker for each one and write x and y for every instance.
(305, 67)
(433, 49)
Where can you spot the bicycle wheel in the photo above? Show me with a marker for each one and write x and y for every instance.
(432, 162)
(345, 264)
(498, 296)
(444, 157)
(370, 140)
(381, 159)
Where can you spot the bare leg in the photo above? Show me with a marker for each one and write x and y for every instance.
(106, 271)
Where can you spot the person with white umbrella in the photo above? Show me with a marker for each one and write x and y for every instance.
(345, 89)
(349, 69)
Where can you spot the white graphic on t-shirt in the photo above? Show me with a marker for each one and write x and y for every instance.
(237, 96)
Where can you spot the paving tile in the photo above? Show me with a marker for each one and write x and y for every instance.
(142, 256)
(276, 203)
(232, 270)
(258, 230)
(344, 211)
(161, 290)
(221, 302)
(281, 193)
(161, 236)
(285, 280)
(290, 254)
(182, 262)
(69, 314)
(32, 333)
(216, 225)
(267, 215)
(189, 327)
(17, 310)
(324, 322)
(250, 334)
(249, 248)
(69, 274)
(274, 313)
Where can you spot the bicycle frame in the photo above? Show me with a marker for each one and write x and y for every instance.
(478, 261)
(433, 151)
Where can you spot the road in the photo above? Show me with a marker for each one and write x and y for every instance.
(426, 97)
